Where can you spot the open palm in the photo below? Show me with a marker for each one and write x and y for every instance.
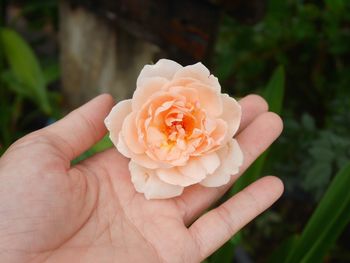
(51, 211)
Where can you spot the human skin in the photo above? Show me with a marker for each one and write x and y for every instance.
(52, 211)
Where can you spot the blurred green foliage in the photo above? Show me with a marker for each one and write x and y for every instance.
(326, 223)
(22, 82)
(26, 101)
(311, 40)
(24, 75)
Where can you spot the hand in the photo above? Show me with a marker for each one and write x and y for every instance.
(51, 211)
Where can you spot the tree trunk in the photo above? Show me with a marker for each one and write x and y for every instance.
(96, 58)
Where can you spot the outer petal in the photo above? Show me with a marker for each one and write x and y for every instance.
(147, 182)
(130, 135)
(210, 162)
(139, 176)
(193, 169)
(114, 120)
(199, 72)
(122, 147)
(191, 173)
(236, 151)
(148, 88)
(231, 158)
(145, 161)
(164, 68)
(220, 132)
(231, 115)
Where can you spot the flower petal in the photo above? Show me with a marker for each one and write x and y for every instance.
(130, 135)
(219, 134)
(231, 115)
(114, 120)
(147, 182)
(122, 147)
(193, 169)
(236, 155)
(139, 176)
(209, 99)
(191, 173)
(146, 161)
(148, 88)
(190, 94)
(199, 72)
(231, 158)
(141, 159)
(210, 162)
(157, 189)
(155, 137)
(164, 68)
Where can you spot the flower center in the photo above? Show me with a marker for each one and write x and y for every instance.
(180, 126)
(177, 122)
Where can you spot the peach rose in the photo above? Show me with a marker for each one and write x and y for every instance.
(177, 130)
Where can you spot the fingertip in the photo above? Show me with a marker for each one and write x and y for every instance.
(108, 98)
(259, 101)
(252, 106)
(275, 184)
(81, 128)
(276, 122)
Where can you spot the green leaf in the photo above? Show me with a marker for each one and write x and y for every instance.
(308, 122)
(326, 223)
(274, 91)
(281, 253)
(317, 178)
(25, 67)
(51, 73)
(13, 84)
(335, 5)
(226, 253)
(100, 146)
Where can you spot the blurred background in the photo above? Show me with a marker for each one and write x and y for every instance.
(56, 55)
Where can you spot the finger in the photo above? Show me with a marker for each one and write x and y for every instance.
(254, 140)
(252, 106)
(81, 128)
(217, 226)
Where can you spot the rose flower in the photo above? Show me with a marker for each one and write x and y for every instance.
(177, 130)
